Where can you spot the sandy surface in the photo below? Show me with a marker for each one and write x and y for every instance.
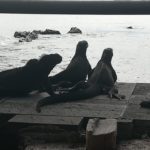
(135, 145)
(143, 144)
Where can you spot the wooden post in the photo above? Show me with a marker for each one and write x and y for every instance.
(101, 134)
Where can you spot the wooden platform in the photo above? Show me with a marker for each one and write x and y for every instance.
(72, 113)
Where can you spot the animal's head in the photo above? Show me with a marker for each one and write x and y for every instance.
(107, 55)
(31, 62)
(32, 65)
(48, 62)
(81, 48)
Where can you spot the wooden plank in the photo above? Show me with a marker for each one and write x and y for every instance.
(137, 99)
(65, 109)
(126, 89)
(137, 113)
(55, 120)
(124, 129)
(142, 89)
(100, 106)
(101, 134)
(19, 103)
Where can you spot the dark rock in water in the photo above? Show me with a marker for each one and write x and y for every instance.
(22, 40)
(75, 30)
(26, 36)
(37, 31)
(28, 39)
(130, 27)
(32, 35)
(48, 31)
(21, 34)
(29, 36)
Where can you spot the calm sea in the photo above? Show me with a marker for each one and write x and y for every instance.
(131, 46)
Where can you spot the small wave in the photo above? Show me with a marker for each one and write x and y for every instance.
(4, 41)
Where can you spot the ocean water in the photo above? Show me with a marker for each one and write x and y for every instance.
(131, 46)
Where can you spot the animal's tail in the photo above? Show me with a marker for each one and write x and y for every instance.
(72, 96)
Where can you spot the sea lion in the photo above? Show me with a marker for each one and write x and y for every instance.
(77, 70)
(101, 81)
(33, 76)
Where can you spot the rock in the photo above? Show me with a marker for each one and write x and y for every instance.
(32, 35)
(29, 36)
(75, 30)
(21, 34)
(26, 36)
(21, 39)
(48, 31)
(28, 39)
(37, 31)
(130, 27)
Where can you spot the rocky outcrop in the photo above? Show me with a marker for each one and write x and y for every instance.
(21, 34)
(29, 36)
(75, 30)
(26, 36)
(37, 31)
(129, 27)
(32, 35)
(48, 31)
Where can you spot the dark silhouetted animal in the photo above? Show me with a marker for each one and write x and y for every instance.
(77, 70)
(33, 76)
(101, 81)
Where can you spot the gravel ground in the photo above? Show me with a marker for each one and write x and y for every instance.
(143, 144)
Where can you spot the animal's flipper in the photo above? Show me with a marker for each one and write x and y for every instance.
(145, 104)
(113, 93)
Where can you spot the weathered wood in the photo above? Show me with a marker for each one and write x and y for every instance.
(101, 134)
(126, 89)
(100, 106)
(135, 111)
(141, 127)
(66, 109)
(137, 99)
(125, 129)
(53, 120)
(142, 89)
